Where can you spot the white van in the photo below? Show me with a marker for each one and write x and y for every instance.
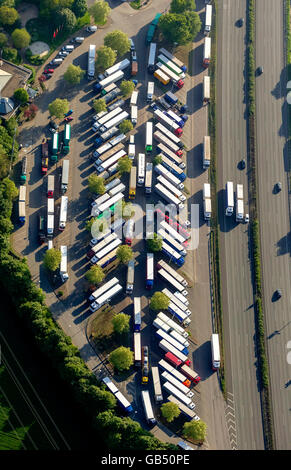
(91, 29)
(57, 61)
(79, 40)
(69, 48)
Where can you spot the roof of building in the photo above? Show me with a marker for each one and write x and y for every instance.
(6, 105)
(12, 77)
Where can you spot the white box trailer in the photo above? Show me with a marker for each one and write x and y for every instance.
(112, 184)
(206, 88)
(215, 351)
(170, 65)
(148, 409)
(179, 304)
(160, 325)
(178, 394)
(206, 152)
(114, 122)
(107, 297)
(150, 91)
(169, 154)
(152, 57)
(206, 191)
(117, 189)
(101, 244)
(63, 266)
(171, 369)
(170, 378)
(133, 98)
(133, 115)
(130, 277)
(207, 208)
(169, 134)
(168, 347)
(163, 335)
(190, 414)
(229, 198)
(168, 72)
(141, 169)
(111, 161)
(172, 280)
(172, 58)
(171, 187)
(163, 139)
(181, 297)
(148, 178)
(207, 52)
(65, 175)
(177, 236)
(171, 241)
(179, 338)
(162, 264)
(63, 213)
(98, 292)
(105, 250)
(91, 61)
(172, 166)
(161, 170)
(168, 196)
(107, 204)
(107, 117)
(157, 385)
(112, 150)
(239, 191)
(160, 116)
(208, 19)
(172, 324)
(115, 77)
(239, 216)
(117, 67)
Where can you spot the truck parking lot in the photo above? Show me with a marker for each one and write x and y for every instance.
(72, 312)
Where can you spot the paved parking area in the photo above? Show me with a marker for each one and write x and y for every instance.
(72, 312)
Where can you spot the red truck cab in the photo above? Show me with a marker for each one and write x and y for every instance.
(180, 84)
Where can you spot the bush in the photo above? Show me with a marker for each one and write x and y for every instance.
(10, 54)
(21, 95)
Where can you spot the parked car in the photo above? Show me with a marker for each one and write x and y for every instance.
(260, 70)
(48, 71)
(68, 119)
(132, 46)
(91, 29)
(69, 113)
(278, 187)
(240, 22)
(63, 54)
(48, 76)
(277, 294)
(53, 126)
(242, 164)
(133, 56)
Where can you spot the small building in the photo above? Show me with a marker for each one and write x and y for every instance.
(12, 77)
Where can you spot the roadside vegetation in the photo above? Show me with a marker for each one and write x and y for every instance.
(288, 59)
(255, 232)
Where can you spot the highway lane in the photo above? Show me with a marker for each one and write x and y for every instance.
(237, 291)
(273, 208)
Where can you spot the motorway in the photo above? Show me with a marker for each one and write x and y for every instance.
(273, 208)
(236, 280)
(72, 313)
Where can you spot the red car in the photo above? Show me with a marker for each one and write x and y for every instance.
(48, 71)
(68, 119)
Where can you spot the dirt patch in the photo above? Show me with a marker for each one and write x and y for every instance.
(27, 11)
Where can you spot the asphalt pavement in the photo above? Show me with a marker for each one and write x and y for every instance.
(274, 216)
(236, 278)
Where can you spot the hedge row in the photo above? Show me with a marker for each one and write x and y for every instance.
(251, 57)
(100, 405)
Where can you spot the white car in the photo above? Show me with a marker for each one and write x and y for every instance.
(247, 218)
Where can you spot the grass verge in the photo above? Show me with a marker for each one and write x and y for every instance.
(255, 232)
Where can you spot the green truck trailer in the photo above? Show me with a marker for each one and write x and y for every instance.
(152, 28)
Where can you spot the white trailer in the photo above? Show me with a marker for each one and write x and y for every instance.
(173, 232)
(171, 187)
(115, 68)
(239, 216)
(65, 175)
(171, 369)
(112, 150)
(178, 394)
(185, 390)
(141, 169)
(207, 52)
(162, 264)
(215, 351)
(117, 189)
(112, 184)
(137, 348)
(157, 384)
(229, 198)
(171, 241)
(107, 117)
(130, 277)
(161, 170)
(50, 186)
(150, 91)
(149, 137)
(169, 163)
(107, 204)
(111, 161)
(168, 196)
(148, 409)
(179, 338)
(163, 139)
(172, 58)
(150, 221)
(168, 72)
(91, 61)
(207, 209)
(239, 191)
(206, 88)
(170, 65)
(133, 98)
(169, 135)
(105, 297)
(168, 347)
(148, 178)
(133, 115)
(114, 122)
(98, 292)
(107, 249)
(115, 77)
(160, 116)
(208, 19)
(163, 335)
(190, 414)
(63, 212)
(160, 325)
(178, 314)
(63, 266)
(181, 298)
(179, 304)
(50, 216)
(171, 323)
(172, 280)
(101, 244)
(165, 149)
(152, 57)
(206, 152)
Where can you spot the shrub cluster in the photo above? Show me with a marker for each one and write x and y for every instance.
(251, 57)
(29, 302)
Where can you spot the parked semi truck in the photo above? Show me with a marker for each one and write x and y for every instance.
(206, 52)
(132, 182)
(206, 152)
(239, 215)
(207, 201)
(65, 176)
(229, 198)
(206, 89)
(130, 277)
(63, 266)
(91, 61)
(152, 28)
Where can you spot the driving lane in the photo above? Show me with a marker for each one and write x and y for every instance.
(273, 208)
(236, 280)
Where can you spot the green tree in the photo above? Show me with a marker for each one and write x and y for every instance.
(118, 41)
(9, 53)
(100, 11)
(121, 358)
(58, 108)
(170, 411)
(21, 38)
(179, 6)
(99, 105)
(66, 18)
(124, 254)
(99, 227)
(124, 164)
(120, 323)
(125, 126)
(8, 3)
(126, 87)
(74, 74)
(3, 40)
(127, 210)
(159, 301)
(95, 275)
(52, 259)
(79, 8)
(4, 164)
(105, 58)
(157, 160)
(180, 28)
(10, 191)
(96, 184)
(195, 430)
(8, 15)
(155, 244)
(21, 95)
